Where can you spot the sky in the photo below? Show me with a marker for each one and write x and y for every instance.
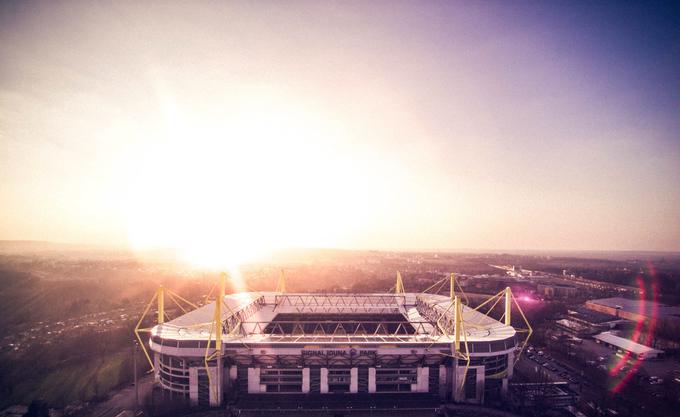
(233, 128)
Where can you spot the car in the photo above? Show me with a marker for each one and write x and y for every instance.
(655, 380)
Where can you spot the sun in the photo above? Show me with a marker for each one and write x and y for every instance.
(263, 174)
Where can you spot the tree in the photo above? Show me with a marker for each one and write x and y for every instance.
(38, 408)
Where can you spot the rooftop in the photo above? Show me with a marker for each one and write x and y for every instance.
(573, 325)
(647, 308)
(625, 344)
(592, 316)
(336, 318)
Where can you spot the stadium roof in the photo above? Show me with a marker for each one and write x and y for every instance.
(626, 344)
(257, 312)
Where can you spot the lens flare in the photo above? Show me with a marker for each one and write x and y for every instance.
(621, 379)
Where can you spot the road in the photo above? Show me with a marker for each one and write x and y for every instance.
(123, 399)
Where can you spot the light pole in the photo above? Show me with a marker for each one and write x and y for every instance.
(134, 366)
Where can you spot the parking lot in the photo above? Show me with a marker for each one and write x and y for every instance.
(575, 366)
(539, 365)
(656, 367)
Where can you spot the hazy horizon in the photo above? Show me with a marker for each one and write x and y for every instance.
(241, 128)
(117, 248)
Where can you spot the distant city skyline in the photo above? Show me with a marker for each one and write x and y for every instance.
(245, 127)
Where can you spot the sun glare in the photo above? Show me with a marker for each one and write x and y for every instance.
(265, 173)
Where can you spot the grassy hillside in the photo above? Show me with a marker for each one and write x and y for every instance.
(74, 382)
(66, 327)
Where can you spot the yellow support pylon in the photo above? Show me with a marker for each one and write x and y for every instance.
(399, 286)
(529, 329)
(452, 286)
(159, 298)
(161, 304)
(458, 320)
(217, 328)
(508, 306)
(281, 286)
(139, 329)
(218, 312)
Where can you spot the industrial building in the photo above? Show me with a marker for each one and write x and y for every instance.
(581, 322)
(635, 310)
(622, 344)
(269, 343)
(557, 290)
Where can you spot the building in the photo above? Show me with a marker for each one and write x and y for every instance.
(594, 319)
(266, 343)
(557, 290)
(635, 310)
(638, 350)
(581, 322)
(574, 328)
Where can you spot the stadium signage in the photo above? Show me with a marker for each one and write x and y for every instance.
(336, 352)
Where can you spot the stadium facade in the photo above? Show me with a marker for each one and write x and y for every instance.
(268, 343)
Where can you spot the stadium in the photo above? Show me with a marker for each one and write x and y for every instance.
(272, 343)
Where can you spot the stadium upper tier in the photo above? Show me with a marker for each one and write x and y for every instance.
(294, 318)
